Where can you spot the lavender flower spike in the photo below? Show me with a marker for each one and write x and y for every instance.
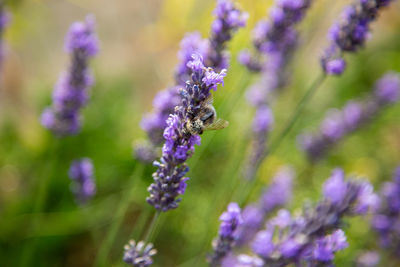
(340, 123)
(230, 220)
(154, 124)
(228, 20)
(169, 179)
(313, 238)
(81, 174)
(139, 255)
(71, 92)
(192, 43)
(213, 50)
(274, 40)
(4, 20)
(275, 196)
(350, 33)
(386, 219)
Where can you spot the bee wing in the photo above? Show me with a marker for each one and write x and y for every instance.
(209, 100)
(217, 125)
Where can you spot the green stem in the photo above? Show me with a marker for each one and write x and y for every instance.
(249, 187)
(152, 227)
(297, 112)
(223, 187)
(102, 255)
(39, 204)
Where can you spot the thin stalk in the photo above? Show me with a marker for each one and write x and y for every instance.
(298, 111)
(249, 187)
(39, 204)
(140, 224)
(225, 185)
(148, 237)
(102, 255)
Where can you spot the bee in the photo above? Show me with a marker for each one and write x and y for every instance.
(205, 119)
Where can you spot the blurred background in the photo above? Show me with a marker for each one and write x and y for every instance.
(139, 42)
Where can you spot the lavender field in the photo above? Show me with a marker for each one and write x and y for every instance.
(233, 133)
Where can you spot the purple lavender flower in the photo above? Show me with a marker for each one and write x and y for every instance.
(251, 64)
(274, 41)
(387, 88)
(81, 174)
(262, 124)
(325, 247)
(386, 220)
(71, 91)
(192, 43)
(280, 191)
(169, 179)
(350, 33)
(4, 20)
(355, 114)
(140, 254)
(335, 187)
(230, 221)
(276, 195)
(228, 20)
(314, 237)
(332, 128)
(213, 50)
(253, 218)
(335, 66)
(155, 123)
(276, 38)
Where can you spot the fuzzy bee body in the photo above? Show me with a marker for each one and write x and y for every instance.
(205, 119)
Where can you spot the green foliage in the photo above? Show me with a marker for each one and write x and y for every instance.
(71, 235)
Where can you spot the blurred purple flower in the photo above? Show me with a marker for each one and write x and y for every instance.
(386, 220)
(335, 187)
(274, 41)
(192, 43)
(154, 124)
(275, 196)
(325, 248)
(5, 18)
(314, 237)
(222, 245)
(335, 66)
(81, 174)
(280, 191)
(228, 20)
(262, 124)
(355, 114)
(262, 244)
(388, 88)
(350, 33)
(71, 91)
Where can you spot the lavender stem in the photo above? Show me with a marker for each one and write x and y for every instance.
(39, 203)
(297, 112)
(151, 229)
(119, 216)
(242, 195)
